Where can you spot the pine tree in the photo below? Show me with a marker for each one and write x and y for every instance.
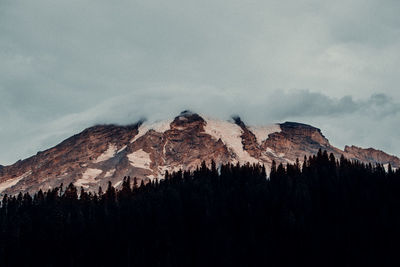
(273, 173)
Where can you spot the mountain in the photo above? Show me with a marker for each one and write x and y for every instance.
(146, 150)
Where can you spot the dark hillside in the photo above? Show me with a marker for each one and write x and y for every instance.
(327, 212)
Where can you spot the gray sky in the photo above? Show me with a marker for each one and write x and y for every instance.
(66, 65)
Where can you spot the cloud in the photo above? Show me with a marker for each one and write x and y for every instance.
(67, 64)
(365, 122)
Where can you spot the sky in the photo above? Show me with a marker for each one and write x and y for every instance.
(67, 65)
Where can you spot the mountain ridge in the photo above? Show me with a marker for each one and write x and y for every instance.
(146, 150)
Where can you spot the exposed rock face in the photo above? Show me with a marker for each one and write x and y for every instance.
(371, 155)
(297, 140)
(68, 161)
(146, 150)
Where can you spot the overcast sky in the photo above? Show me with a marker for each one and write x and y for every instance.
(66, 65)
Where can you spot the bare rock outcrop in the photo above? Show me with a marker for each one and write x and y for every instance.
(146, 150)
(370, 155)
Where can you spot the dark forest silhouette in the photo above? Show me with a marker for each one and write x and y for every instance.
(324, 212)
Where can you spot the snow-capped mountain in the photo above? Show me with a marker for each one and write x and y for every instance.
(146, 150)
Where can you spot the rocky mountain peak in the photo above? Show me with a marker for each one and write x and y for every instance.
(187, 119)
(238, 120)
(371, 155)
(305, 130)
(147, 149)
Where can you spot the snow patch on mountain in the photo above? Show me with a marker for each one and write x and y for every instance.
(280, 155)
(262, 132)
(170, 169)
(158, 126)
(386, 167)
(269, 150)
(162, 170)
(108, 154)
(140, 159)
(11, 182)
(109, 173)
(88, 177)
(121, 149)
(151, 177)
(231, 135)
(117, 184)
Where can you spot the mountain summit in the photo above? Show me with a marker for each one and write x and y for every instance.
(146, 150)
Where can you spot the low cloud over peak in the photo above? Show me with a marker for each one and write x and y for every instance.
(65, 65)
(366, 122)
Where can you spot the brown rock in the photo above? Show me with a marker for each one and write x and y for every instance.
(109, 152)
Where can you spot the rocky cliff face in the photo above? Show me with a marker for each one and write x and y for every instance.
(146, 150)
(371, 155)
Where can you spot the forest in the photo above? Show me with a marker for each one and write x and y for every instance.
(321, 212)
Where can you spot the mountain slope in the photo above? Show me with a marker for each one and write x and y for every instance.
(146, 150)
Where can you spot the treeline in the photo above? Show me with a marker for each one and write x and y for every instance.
(323, 212)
